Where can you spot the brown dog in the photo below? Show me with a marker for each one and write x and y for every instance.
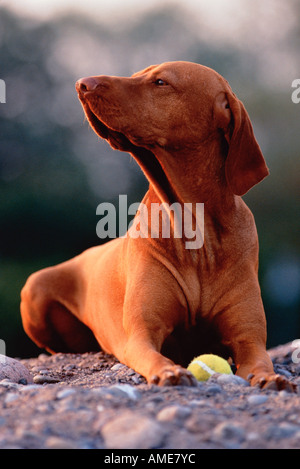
(151, 301)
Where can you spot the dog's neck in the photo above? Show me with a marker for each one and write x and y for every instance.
(204, 183)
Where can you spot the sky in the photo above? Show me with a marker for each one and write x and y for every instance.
(45, 8)
(260, 25)
(223, 19)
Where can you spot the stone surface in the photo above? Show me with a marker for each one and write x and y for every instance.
(14, 371)
(90, 401)
(132, 431)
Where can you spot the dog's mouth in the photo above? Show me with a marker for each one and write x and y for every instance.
(145, 157)
(117, 140)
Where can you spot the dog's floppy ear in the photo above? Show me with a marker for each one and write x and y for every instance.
(245, 165)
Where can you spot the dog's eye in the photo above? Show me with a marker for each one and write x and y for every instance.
(160, 82)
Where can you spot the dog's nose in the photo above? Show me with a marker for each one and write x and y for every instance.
(86, 84)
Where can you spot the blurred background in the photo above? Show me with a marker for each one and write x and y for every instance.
(54, 170)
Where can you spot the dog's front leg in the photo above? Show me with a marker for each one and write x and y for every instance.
(150, 315)
(243, 329)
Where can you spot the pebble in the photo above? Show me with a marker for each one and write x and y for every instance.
(43, 357)
(200, 403)
(117, 367)
(119, 391)
(224, 412)
(14, 370)
(282, 371)
(200, 422)
(297, 382)
(173, 412)
(42, 379)
(30, 387)
(54, 442)
(213, 389)
(11, 397)
(63, 393)
(23, 381)
(36, 369)
(6, 383)
(132, 431)
(66, 405)
(282, 395)
(44, 372)
(288, 429)
(253, 436)
(281, 431)
(136, 379)
(29, 434)
(83, 364)
(70, 367)
(128, 390)
(232, 379)
(257, 399)
(227, 431)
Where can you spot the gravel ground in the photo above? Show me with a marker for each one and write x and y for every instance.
(91, 401)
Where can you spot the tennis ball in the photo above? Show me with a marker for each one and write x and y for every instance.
(204, 366)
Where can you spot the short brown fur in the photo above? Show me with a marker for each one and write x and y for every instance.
(152, 302)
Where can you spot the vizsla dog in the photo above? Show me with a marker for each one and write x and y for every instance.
(151, 301)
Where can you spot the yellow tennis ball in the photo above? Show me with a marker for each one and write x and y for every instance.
(204, 366)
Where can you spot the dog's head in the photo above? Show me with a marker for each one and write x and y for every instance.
(177, 107)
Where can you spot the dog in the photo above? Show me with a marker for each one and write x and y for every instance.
(151, 301)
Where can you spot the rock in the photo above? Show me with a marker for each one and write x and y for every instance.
(23, 381)
(83, 364)
(132, 431)
(232, 380)
(30, 387)
(42, 379)
(11, 397)
(136, 379)
(281, 431)
(43, 357)
(226, 431)
(213, 389)
(200, 423)
(173, 412)
(14, 371)
(257, 399)
(70, 367)
(117, 367)
(6, 383)
(63, 393)
(282, 371)
(200, 403)
(37, 369)
(128, 390)
(92, 410)
(54, 442)
(44, 372)
(120, 391)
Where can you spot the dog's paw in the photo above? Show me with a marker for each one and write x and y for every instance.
(272, 382)
(174, 376)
